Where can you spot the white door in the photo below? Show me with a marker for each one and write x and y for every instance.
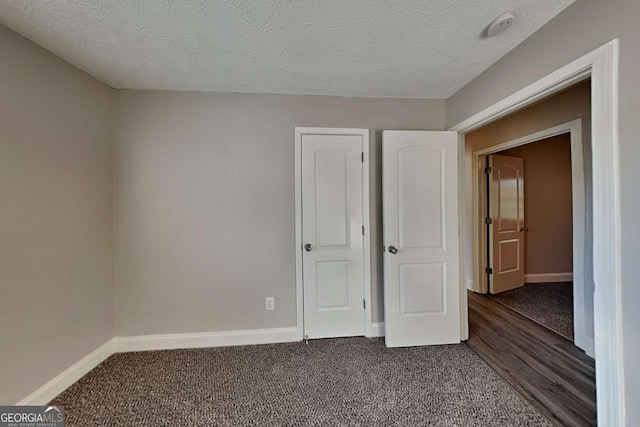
(332, 235)
(421, 259)
(507, 228)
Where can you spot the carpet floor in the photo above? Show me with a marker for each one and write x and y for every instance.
(334, 382)
(550, 304)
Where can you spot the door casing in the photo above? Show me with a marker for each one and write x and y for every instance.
(580, 277)
(601, 65)
(366, 213)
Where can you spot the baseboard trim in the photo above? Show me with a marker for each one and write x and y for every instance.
(377, 329)
(470, 285)
(60, 383)
(548, 277)
(205, 339)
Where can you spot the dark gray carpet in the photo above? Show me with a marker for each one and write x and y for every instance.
(550, 304)
(338, 382)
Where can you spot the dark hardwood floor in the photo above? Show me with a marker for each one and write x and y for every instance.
(546, 368)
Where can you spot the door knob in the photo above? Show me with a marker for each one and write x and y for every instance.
(308, 247)
(524, 228)
(393, 250)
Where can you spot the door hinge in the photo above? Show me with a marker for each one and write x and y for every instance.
(488, 270)
(364, 303)
(488, 221)
(363, 230)
(487, 170)
(362, 156)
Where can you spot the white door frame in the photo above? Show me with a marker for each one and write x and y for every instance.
(602, 66)
(364, 133)
(478, 159)
(574, 128)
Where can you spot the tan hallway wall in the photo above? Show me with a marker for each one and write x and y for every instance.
(571, 104)
(547, 205)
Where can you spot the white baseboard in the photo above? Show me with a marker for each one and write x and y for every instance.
(548, 277)
(377, 329)
(50, 390)
(163, 342)
(470, 285)
(205, 339)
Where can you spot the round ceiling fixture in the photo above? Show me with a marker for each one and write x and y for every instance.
(500, 24)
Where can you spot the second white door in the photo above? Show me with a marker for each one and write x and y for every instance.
(421, 259)
(332, 235)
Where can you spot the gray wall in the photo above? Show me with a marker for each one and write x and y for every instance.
(204, 203)
(582, 27)
(56, 222)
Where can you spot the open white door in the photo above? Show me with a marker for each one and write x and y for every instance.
(507, 228)
(420, 209)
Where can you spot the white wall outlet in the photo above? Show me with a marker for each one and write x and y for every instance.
(270, 302)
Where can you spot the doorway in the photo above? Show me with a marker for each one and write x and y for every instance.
(541, 236)
(531, 219)
(532, 222)
(532, 232)
(543, 287)
(332, 239)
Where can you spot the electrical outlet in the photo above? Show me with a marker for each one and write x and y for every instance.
(270, 302)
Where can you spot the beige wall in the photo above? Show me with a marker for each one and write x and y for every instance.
(56, 223)
(205, 209)
(582, 27)
(571, 104)
(547, 205)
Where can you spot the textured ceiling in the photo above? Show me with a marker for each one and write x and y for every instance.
(402, 48)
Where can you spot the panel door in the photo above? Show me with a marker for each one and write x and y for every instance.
(421, 258)
(506, 241)
(332, 220)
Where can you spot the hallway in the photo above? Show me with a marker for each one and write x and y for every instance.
(545, 367)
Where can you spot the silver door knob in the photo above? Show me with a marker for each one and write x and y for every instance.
(308, 247)
(524, 228)
(393, 250)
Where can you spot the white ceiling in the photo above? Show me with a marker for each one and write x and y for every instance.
(385, 48)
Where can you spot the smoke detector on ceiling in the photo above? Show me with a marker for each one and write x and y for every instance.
(500, 24)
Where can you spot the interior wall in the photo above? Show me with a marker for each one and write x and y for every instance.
(571, 104)
(566, 106)
(581, 28)
(56, 222)
(548, 210)
(205, 203)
